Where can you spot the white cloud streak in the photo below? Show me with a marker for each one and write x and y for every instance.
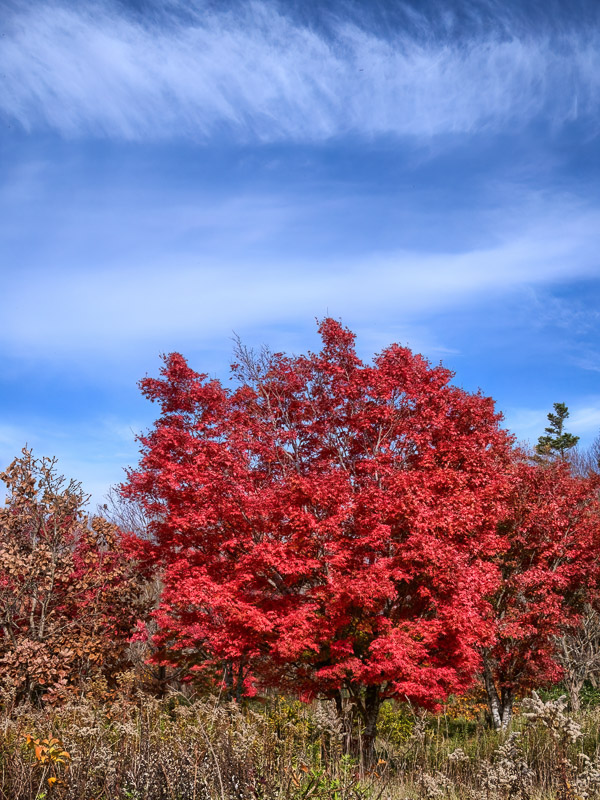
(258, 75)
(123, 307)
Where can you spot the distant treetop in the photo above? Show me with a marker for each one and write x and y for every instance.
(556, 441)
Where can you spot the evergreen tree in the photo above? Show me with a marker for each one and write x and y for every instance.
(556, 441)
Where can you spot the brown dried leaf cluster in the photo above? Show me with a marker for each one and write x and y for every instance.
(69, 595)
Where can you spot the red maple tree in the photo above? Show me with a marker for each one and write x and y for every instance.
(550, 572)
(327, 525)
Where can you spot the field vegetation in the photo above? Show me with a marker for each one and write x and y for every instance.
(124, 743)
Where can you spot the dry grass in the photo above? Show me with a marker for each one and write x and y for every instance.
(134, 746)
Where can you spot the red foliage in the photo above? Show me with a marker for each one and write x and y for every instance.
(328, 524)
(549, 570)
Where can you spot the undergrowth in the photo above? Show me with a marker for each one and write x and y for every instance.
(124, 744)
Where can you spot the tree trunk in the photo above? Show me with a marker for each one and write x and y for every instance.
(574, 687)
(343, 709)
(239, 686)
(162, 681)
(507, 697)
(339, 705)
(500, 705)
(372, 704)
(228, 681)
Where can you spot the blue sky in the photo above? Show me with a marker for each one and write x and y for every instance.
(172, 172)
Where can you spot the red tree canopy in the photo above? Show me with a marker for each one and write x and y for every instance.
(550, 570)
(327, 524)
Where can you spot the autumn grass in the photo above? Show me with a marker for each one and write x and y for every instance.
(184, 748)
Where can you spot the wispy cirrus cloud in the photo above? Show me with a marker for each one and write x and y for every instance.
(121, 306)
(259, 74)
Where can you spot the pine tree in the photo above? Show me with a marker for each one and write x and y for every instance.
(556, 441)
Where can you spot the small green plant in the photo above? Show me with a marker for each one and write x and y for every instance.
(319, 783)
(395, 723)
(590, 695)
